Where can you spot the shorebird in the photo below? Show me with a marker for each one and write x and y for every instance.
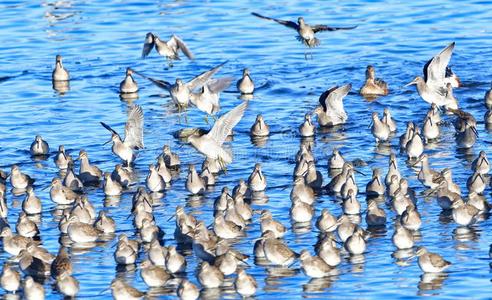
(207, 98)
(62, 159)
(402, 238)
(187, 290)
(375, 186)
(62, 264)
(356, 244)
(305, 32)
(152, 275)
(257, 181)
(180, 92)
(61, 194)
(123, 291)
(245, 85)
(169, 49)
(302, 191)
(415, 146)
(430, 130)
(89, 174)
(13, 243)
(210, 276)
(463, 213)
(373, 86)
(336, 160)
(18, 179)
(267, 223)
(326, 222)
(488, 99)
(314, 266)
(32, 289)
(481, 164)
(260, 128)
(210, 144)
(194, 183)
(67, 285)
(380, 130)
(432, 87)
(154, 181)
(405, 137)
(301, 212)
(123, 148)
(307, 128)
(450, 99)
(128, 85)
(39, 147)
(410, 218)
(10, 279)
(171, 159)
(431, 262)
(276, 251)
(175, 262)
(60, 73)
(79, 232)
(31, 204)
(331, 111)
(392, 169)
(375, 216)
(245, 284)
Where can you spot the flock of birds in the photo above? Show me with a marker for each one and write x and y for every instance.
(213, 244)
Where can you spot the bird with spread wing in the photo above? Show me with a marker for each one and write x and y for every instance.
(210, 144)
(305, 31)
(123, 148)
(169, 49)
(331, 111)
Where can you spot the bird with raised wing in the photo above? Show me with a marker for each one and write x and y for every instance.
(180, 91)
(331, 111)
(210, 144)
(123, 148)
(169, 49)
(432, 87)
(305, 31)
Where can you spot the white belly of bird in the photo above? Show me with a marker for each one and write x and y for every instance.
(355, 245)
(403, 240)
(461, 217)
(212, 150)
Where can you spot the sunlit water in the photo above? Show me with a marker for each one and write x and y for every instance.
(100, 40)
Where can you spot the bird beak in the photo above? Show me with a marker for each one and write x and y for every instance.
(104, 291)
(411, 83)
(107, 142)
(172, 217)
(474, 131)
(418, 160)
(359, 172)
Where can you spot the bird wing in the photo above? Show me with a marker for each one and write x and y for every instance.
(220, 84)
(148, 44)
(109, 128)
(201, 79)
(437, 260)
(160, 83)
(435, 69)
(331, 100)
(226, 122)
(134, 127)
(317, 28)
(176, 43)
(289, 24)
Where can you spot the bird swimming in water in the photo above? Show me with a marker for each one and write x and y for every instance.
(245, 85)
(373, 86)
(123, 148)
(210, 144)
(432, 87)
(128, 85)
(331, 111)
(39, 147)
(169, 49)
(305, 31)
(60, 73)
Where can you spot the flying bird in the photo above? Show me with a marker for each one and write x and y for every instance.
(169, 49)
(304, 30)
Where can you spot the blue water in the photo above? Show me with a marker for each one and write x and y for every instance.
(99, 40)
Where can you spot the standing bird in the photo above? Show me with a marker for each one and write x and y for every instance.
(331, 111)
(431, 262)
(60, 73)
(305, 32)
(133, 135)
(169, 49)
(246, 85)
(432, 88)
(180, 92)
(373, 86)
(210, 144)
(39, 147)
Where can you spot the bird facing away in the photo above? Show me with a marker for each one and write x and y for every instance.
(331, 111)
(180, 92)
(210, 144)
(432, 87)
(305, 31)
(169, 49)
(123, 148)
